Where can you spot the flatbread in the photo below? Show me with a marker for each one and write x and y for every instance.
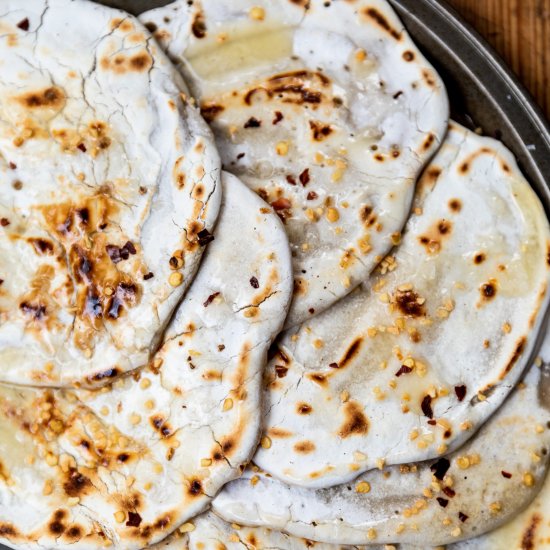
(437, 338)
(530, 530)
(326, 109)
(99, 155)
(127, 464)
(209, 532)
(469, 492)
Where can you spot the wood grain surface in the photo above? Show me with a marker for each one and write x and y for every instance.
(520, 31)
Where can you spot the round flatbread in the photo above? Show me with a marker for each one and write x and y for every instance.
(469, 492)
(99, 155)
(326, 109)
(126, 464)
(209, 532)
(436, 339)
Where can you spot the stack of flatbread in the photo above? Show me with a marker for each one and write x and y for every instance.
(258, 291)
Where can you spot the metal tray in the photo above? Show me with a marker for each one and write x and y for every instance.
(484, 92)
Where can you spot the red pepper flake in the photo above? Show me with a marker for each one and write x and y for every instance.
(240, 156)
(82, 147)
(304, 177)
(4, 222)
(460, 392)
(281, 204)
(254, 282)
(205, 237)
(334, 366)
(148, 276)
(252, 123)
(291, 180)
(311, 311)
(134, 520)
(116, 253)
(440, 468)
(432, 422)
(507, 475)
(442, 502)
(130, 248)
(403, 370)
(312, 195)
(210, 299)
(449, 492)
(281, 371)
(23, 24)
(13, 166)
(278, 117)
(1, 282)
(462, 517)
(221, 347)
(427, 406)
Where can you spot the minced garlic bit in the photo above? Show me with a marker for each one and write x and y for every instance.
(265, 443)
(51, 459)
(332, 215)
(187, 527)
(495, 507)
(257, 13)
(528, 479)
(254, 480)
(362, 487)
(48, 488)
(120, 516)
(282, 148)
(135, 419)
(371, 534)
(205, 462)
(175, 279)
(507, 328)
(228, 404)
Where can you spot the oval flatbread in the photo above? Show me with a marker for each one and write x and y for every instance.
(434, 341)
(127, 464)
(99, 156)
(209, 532)
(529, 530)
(326, 109)
(483, 485)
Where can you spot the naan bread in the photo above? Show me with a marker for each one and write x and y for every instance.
(326, 109)
(528, 531)
(99, 156)
(408, 367)
(469, 492)
(209, 532)
(127, 464)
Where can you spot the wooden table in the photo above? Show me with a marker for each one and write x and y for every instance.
(520, 31)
